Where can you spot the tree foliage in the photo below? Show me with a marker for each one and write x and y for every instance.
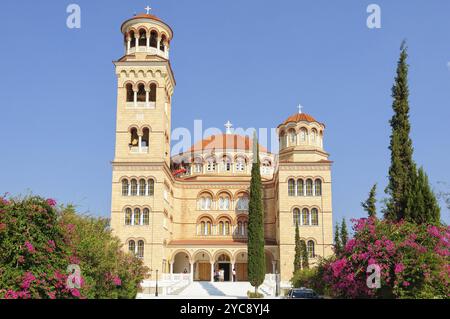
(370, 204)
(256, 256)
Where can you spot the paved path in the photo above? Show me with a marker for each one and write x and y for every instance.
(217, 289)
(209, 290)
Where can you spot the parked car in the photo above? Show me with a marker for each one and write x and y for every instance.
(302, 293)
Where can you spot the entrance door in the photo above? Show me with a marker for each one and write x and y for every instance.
(226, 268)
(204, 271)
(241, 272)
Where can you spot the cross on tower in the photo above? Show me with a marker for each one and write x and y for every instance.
(300, 107)
(228, 126)
(148, 9)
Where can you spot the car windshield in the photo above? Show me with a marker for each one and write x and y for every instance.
(302, 294)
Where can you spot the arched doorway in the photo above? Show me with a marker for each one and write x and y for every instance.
(202, 266)
(241, 266)
(181, 263)
(222, 267)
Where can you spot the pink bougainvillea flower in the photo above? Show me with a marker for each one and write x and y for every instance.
(76, 293)
(2, 227)
(116, 281)
(29, 247)
(399, 268)
(51, 202)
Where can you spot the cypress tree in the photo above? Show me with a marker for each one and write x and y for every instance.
(402, 165)
(422, 206)
(255, 245)
(344, 233)
(298, 250)
(370, 204)
(337, 241)
(305, 257)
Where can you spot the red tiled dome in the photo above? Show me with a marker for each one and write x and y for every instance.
(225, 141)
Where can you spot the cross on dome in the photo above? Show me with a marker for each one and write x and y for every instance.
(147, 8)
(228, 126)
(300, 107)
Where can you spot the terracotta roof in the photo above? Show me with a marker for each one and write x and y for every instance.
(299, 117)
(213, 242)
(226, 141)
(145, 16)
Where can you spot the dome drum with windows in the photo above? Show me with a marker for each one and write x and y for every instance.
(146, 34)
(301, 139)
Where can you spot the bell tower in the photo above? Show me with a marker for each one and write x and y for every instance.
(145, 87)
(141, 199)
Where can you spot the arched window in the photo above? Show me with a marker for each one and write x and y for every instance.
(145, 137)
(226, 163)
(240, 229)
(224, 203)
(318, 187)
(292, 138)
(140, 249)
(142, 187)
(142, 38)
(300, 187)
(128, 216)
(132, 247)
(314, 136)
(133, 39)
(221, 228)
(303, 135)
(240, 164)
(227, 228)
(282, 140)
(125, 186)
(141, 93)
(305, 217)
(291, 187)
(242, 203)
(152, 93)
(162, 44)
(210, 164)
(136, 219)
(310, 249)
(314, 217)
(205, 202)
(150, 187)
(153, 39)
(133, 187)
(134, 138)
(206, 227)
(146, 218)
(296, 217)
(309, 187)
(130, 92)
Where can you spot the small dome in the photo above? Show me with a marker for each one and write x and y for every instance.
(299, 117)
(226, 142)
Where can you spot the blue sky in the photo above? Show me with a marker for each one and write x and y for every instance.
(250, 62)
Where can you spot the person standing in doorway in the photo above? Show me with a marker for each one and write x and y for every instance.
(234, 274)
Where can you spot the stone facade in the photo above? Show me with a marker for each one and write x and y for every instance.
(187, 213)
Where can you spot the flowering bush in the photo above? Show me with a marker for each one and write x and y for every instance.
(33, 251)
(413, 261)
(38, 242)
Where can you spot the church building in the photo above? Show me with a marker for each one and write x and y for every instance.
(188, 213)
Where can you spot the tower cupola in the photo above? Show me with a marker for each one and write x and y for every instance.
(146, 34)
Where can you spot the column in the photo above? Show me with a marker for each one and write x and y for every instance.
(212, 271)
(158, 44)
(191, 271)
(147, 97)
(135, 98)
(140, 150)
(148, 42)
(231, 272)
(128, 45)
(171, 270)
(274, 265)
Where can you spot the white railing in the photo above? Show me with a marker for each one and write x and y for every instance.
(168, 284)
(137, 150)
(150, 50)
(269, 285)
